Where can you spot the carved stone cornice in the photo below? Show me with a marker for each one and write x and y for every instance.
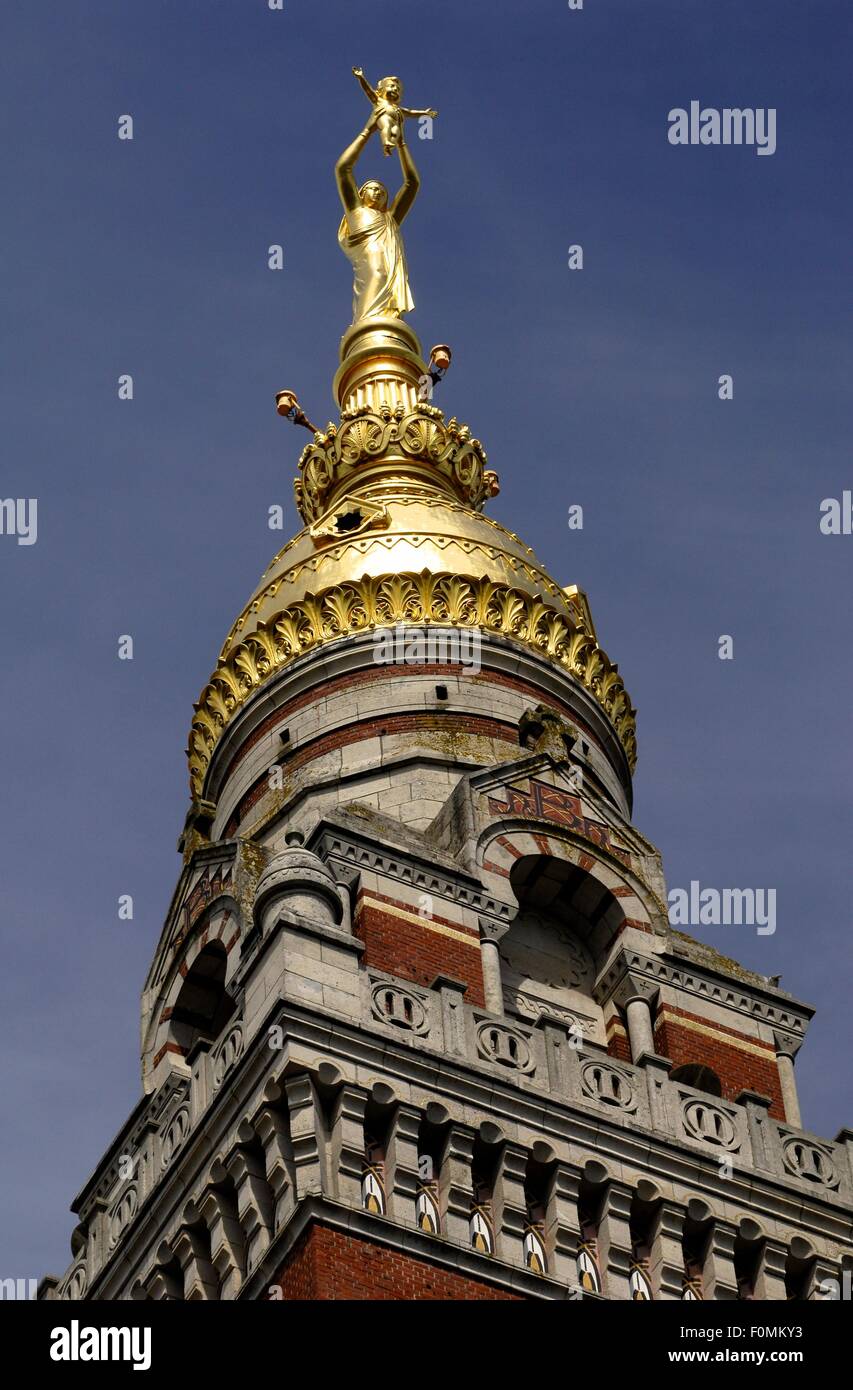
(340, 847)
(659, 970)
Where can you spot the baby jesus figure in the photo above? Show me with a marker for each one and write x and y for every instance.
(387, 109)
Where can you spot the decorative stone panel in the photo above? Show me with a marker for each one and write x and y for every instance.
(813, 1163)
(401, 1007)
(227, 1054)
(508, 1047)
(609, 1084)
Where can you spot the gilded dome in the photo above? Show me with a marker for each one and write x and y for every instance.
(393, 497)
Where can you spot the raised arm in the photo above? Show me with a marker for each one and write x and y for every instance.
(410, 111)
(365, 86)
(411, 183)
(344, 176)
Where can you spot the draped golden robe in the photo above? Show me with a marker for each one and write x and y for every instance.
(371, 240)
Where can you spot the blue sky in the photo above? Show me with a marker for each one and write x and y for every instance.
(596, 387)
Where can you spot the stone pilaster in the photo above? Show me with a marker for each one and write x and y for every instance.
(770, 1280)
(307, 1134)
(562, 1225)
(614, 1240)
(761, 1135)
(452, 1013)
(666, 1265)
(455, 1184)
(509, 1206)
(718, 1273)
(346, 1148)
(401, 1164)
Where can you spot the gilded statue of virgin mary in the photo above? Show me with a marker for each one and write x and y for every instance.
(369, 234)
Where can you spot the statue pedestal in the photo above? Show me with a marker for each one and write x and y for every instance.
(381, 365)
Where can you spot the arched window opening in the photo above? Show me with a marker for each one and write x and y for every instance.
(538, 1181)
(642, 1222)
(203, 1006)
(700, 1077)
(431, 1144)
(798, 1275)
(590, 1203)
(694, 1248)
(565, 920)
(747, 1263)
(374, 1195)
(484, 1166)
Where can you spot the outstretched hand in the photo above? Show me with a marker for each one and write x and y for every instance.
(358, 72)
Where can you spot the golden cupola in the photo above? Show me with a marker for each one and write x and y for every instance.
(392, 499)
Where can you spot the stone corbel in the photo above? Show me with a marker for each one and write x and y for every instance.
(218, 1210)
(188, 1247)
(254, 1196)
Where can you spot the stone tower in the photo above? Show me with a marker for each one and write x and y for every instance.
(417, 1025)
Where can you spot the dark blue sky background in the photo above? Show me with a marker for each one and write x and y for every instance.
(598, 387)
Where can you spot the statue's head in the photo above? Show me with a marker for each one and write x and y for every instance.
(374, 194)
(391, 88)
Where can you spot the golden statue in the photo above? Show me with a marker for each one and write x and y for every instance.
(369, 234)
(390, 114)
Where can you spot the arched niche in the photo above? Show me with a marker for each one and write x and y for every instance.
(551, 954)
(203, 1006)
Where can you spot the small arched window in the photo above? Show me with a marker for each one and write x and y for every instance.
(203, 1006)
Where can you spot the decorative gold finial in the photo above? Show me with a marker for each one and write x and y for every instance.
(369, 234)
(287, 404)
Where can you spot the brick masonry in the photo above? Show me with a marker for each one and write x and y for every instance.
(356, 679)
(736, 1058)
(328, 1264)
(398, 943)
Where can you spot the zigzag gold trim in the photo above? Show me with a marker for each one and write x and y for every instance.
(447, 600)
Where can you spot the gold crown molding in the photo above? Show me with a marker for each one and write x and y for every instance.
(444, 450)
(357, 606)
(414, 497)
